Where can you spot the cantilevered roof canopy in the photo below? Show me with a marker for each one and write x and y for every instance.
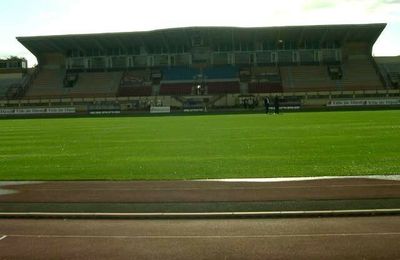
(168, 39)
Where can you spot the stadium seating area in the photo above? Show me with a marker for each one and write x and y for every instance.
(179, 74)
(209, 61)
(181, 80)
(96, 84)
(354, 74)
(223, 72)
(223, 87)
(5, 85)
(135, 78)
(271, 73)
(176, 89)
(48, 83)
(265, 87)
(393, 79)
(265, 80)
(210, 73)
(360, 74)
(307, 78)
(135, 83)
(391, 73)
(139, 91)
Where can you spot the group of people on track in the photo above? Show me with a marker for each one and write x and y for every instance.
(267, 104)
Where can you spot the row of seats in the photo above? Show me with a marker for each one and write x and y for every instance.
(223, 87)
(360, 74)
(180, 89)
(98, 84)
(357, 74)
(137, 91)
(135, 78)
(50, 83)
(223, 72)
(176, 89)
(5, 85)
(306, 78)
(391, 73)
(210, 88)
(180, 81)
(179, 74)
(265, 87)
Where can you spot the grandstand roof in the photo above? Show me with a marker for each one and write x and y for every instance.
(168, 38)
(389, 59)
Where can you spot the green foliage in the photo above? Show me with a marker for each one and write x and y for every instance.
(196, 147)
(13, 58)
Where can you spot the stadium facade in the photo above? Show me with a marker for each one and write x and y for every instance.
(204, 67)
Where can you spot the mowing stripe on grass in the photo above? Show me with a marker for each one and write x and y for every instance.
(201, 147)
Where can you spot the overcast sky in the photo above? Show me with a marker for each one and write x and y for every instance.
(49, 17)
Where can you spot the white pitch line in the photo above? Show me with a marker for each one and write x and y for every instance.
(287, 179)
(1, 238)
(211, 236)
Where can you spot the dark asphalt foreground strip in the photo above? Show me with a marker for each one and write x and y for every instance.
(204, 215)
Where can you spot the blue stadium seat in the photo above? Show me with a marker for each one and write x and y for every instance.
(179, 73)
(224, 72)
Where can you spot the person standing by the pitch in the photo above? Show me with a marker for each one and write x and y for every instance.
(266, 104)
(276, 103)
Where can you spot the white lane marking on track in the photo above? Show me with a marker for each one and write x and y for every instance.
(222, 188)
(212, 236)
(1, 238)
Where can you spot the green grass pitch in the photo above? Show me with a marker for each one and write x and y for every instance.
(197, 147)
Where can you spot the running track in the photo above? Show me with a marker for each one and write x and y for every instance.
(321, 238)
(198, 191)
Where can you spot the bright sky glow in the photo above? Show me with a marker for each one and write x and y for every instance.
(49, 17)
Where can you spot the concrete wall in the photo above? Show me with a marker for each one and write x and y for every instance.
(52, 61)
(11, 76)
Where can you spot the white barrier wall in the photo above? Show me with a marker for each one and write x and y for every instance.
(160, 110)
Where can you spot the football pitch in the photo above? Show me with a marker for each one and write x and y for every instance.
(200, 147)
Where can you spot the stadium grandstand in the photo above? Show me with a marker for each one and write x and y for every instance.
(390, 68)
(210, 67)
(13, 75)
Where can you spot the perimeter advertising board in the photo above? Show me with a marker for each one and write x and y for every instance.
(160, 110)
(364, 102)
(37, 111)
